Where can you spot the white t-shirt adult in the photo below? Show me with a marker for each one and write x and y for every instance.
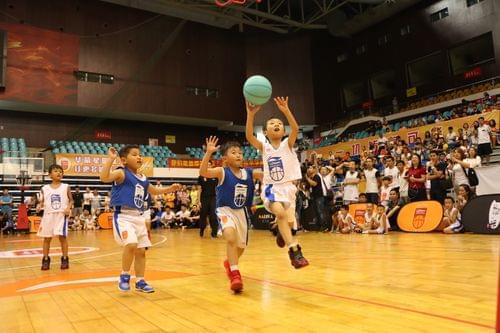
(371, 177)
(167, 217)
(473, 162)
(87, 197)
(451, 137)
(182, 215)
(483, 133)
(394, 173)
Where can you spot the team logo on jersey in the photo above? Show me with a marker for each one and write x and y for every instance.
(276, 170)
(240, 195)
(139, 196)
(55, 201)
(494, 216)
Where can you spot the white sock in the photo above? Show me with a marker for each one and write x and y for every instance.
(234, 268)
(127, 272)
(292, 245)
(139, 278)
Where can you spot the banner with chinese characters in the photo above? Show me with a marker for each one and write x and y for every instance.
(89, 165)
(356, 147)
(195, 164)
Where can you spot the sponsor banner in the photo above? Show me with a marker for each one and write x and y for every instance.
(100, 135)
(411, 92)
(34, 222)
(90, 165)
(420, 216)
(261, 218)
(105, 221)
(169, 138)
(356, 147)
(481, 215)
(488, 180)
(195, 164)
(357, 212)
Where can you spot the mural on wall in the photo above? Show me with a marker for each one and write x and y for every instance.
(40, 65)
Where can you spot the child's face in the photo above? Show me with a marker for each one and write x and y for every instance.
(448, 204)
(133, 160)
(393, 196)
(362, 199)
(56, 174)
(380, 209)
(369, 208)
(343, 211)
(275, 129)
(233, 157)
(386, 182)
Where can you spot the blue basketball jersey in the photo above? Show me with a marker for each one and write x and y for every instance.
(234, 192)
(131, 193)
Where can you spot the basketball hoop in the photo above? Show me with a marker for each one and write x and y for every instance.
(23, 180)
(224, 3)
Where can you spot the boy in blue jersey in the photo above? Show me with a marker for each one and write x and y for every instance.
(234, 196)
(128, 195)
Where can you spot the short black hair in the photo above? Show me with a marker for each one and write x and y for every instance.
(362, 195)
(389, 157)
(449, 198)
(400, 162)
(126, 150)
(55, 167)
(346, 207)
(228, 145)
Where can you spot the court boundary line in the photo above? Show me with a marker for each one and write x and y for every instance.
(164, 239)
(359, 300)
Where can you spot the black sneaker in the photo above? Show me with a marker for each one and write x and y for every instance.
(296, 257)
(45, 263)
(64, 262)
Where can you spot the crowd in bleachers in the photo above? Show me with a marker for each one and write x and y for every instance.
(439, 166)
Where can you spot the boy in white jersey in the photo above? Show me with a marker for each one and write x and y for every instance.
(128, 195)
(56, 201)
(281, 169)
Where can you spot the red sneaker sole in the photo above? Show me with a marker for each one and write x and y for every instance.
(237, 287)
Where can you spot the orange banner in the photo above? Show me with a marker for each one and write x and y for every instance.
(356, 147)
(357, 212)
(91, 165)
(420, 216)
(34, 222)
(195, 164)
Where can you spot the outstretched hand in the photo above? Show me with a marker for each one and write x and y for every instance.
(112, 153)
(211, 143)
(282, 103)
(251, 108)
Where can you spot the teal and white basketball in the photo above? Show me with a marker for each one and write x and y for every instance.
(257, 90)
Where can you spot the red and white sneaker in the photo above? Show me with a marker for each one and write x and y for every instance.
(236, 282)
(227, 267)
(296, 258)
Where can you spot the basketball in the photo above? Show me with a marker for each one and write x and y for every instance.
(257, 90)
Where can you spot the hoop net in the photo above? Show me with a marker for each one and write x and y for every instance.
(23, 180)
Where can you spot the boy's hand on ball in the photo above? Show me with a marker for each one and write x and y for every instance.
(282, 103)
(212, 144)
(251, 108)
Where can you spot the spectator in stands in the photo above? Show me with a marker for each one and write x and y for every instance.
(182, 216)
(87, 197)
(392, 171)
(194, 217)
(183, 197)
(351, 182)
(493, 126)
(372, 177)
(416, 179)
(95, 202)
(484, 148)
(379, 225)
(86, 220)
(318, 194)
(363, 198)
(6, 204)
(106, 201)
(451, 138)
(403, 180)
(393, 206)
(385, 189)
(458, 168)
(170, 199)
(194, 196)
(435, 174)
(6, 224)
(451, 216)
(167, 218)
(78, 202)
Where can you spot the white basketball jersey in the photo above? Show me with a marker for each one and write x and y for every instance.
(280, 165)
(55, 200)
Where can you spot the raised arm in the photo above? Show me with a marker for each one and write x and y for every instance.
(282, 103)
(251, 111)
(205, 171)
(108, 176)
(156, 190)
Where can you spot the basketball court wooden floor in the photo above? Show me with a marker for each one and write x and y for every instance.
(355, 283)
